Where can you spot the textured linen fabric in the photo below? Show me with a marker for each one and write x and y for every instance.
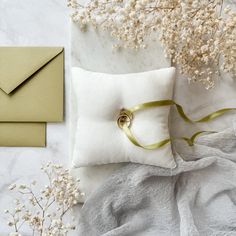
(196, 199)
(100, 97)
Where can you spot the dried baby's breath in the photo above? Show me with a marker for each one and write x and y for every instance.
(44, 211)
(199, 36)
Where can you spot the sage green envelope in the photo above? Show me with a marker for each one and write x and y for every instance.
(22, 133)
(31, 93)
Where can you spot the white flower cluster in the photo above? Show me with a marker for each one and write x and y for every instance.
(199, 36)
(44, 211)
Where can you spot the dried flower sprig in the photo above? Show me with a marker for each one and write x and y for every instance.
(199, 36)
(44, 211)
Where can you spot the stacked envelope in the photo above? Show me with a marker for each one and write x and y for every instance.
(31, 93)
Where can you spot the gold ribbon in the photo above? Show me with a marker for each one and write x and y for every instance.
(126, 116)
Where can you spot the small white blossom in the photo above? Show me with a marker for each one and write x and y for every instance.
(10, 223)
(11, 187)
(15, 234)
(22, 186)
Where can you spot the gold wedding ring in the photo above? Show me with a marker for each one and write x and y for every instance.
(125, 118)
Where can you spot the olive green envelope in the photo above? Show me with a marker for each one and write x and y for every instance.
(31, 93)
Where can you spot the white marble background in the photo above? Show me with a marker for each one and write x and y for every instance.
(36, 23)
(46, 22)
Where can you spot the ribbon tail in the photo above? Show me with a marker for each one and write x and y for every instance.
(153, 146)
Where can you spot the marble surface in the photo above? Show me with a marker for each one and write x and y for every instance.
(36, 23)
(44, 22)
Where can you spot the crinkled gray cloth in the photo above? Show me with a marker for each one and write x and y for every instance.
(196, 199)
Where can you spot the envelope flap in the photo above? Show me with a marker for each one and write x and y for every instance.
(17, 64)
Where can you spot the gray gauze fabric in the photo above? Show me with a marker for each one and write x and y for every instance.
(197, 198)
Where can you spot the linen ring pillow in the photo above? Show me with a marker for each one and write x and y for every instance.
(99, 99)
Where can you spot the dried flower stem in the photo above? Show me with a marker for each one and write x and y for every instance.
(44, 214)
